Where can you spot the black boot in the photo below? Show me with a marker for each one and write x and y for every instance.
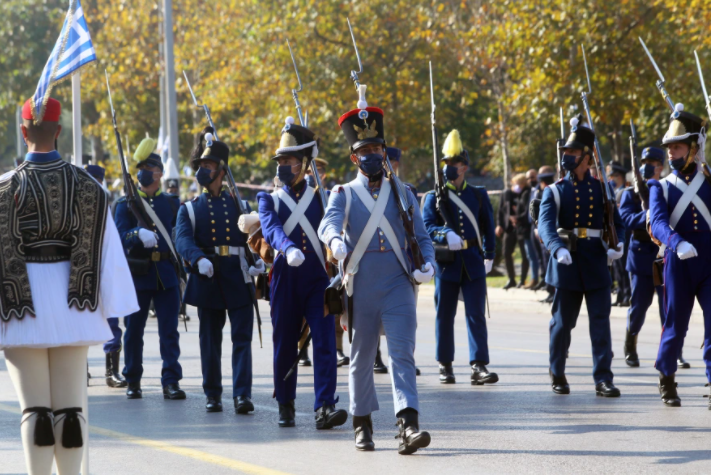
(327, 417)
(681, 363)
(287, 414)
(667, 389)
(510, 284)
(446, 373)
(342, 358)
(213, 405)
(243, 404)
(631, 357)
(607, 389)
(363, 427)
(172, 391)
(134, 391)
(559, 384)
(379, 367)
(480, 374)
(411, 438)
(113, 377)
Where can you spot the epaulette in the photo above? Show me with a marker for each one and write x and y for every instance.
(337, 189)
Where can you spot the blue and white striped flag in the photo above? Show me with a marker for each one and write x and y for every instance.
(72, 51)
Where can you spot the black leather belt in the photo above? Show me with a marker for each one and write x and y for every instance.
(48, 253)
(641, 236)
(160, 255)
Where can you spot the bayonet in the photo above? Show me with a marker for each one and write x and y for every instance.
(640, 186)
(561, 143)
(707, 98)
(354, 74)
(661, 80)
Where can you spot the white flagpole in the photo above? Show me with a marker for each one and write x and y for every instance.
(172, 132)
(76, 119)
(18, 119)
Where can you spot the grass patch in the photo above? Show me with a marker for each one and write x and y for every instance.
(496, 281)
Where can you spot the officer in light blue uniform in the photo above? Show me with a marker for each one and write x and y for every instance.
(213, 249)
(364, 230)
(641, 255)
(290, 218)
(680, 219)
(154, 275)
(570, 224)
(473, 246)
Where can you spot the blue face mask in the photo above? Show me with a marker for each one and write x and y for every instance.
(203, 176)
(677, 164)
(145, 177)
(647, 171)
(285, 175)
(569, 162)
(371, 164)
(451, 172)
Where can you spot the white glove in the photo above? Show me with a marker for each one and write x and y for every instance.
(257, 270)
(338, 248)
(613, 254)
(425, 276)
(563, 256)
(205, 267)
(488, 265)
(454, 241)
(294, 256)
(686, 250)
(149, 238)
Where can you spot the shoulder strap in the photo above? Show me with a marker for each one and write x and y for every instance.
(298, 216)
(275, 197)
(349, 198)
(467, 211)
(161, 228)
(191, 213)
(665, 188)
(556, 198)
(688, 194)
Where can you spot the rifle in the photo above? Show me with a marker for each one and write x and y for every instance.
(707, 98)
(237, 199)
(640, 186)
(609, 231)
(133, 200)
(399, 191)
(561, 143)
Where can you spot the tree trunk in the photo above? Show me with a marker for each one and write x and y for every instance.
(504, 141)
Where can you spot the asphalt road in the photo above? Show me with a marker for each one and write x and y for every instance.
(515, 426)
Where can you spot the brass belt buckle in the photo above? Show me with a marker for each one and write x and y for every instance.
(465, 244)
(223, 250)
(582, 233)
(155, 256)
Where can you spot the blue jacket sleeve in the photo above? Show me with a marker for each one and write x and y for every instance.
(185, 238)
(438, 233)
(630, 218)
(127, 226)
(332, 223)
(619, 226)
(487, 227)
(547, 223)
(659, 217)
(423, 237)
(272, 227)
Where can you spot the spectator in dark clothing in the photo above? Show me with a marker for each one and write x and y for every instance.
(619, 273)
(509, 217)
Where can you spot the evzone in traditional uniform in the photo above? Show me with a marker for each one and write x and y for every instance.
(220, 283)
(364, 230)
(290, 217)
(155, 277)
(472, 242)
(63, 273)
(112, 347)
(641, 256)
(570, 224)
(680, 220)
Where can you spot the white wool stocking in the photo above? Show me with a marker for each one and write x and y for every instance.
(54, 378)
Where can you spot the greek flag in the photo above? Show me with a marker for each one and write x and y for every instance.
(72, 51)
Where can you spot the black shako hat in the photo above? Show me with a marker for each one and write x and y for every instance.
(684, 127)
(215, 150)
(363, 126)
(297, 141)
(580, 137)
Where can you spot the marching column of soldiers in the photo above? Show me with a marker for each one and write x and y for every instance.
(347, 262)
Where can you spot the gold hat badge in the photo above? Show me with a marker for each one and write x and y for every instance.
(367, 132)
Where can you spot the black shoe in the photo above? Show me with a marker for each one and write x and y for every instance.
(363, 427)
(559, 384)
(667, 389)
(287, 414)
(681, 362)
(214, 404)
(134, 391)
(327, 417)
(417, 371)
(342, 358)
(243, 404)
(480, 375)
(547, 300)
(379, 367)
(113, 377)
(631, 357)
(305, 362)
(510, 284)
(607, 389)
(172, 391)
(624, 303)
(411, 438)
(541, 285)
(521, 285)
(446, 373)
(709, 395)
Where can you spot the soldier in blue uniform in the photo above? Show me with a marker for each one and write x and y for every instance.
(680, 220)
(641, 256)
(570, 224)
(473, 242)
(220, 283)
(154, 276)
(290, 217)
